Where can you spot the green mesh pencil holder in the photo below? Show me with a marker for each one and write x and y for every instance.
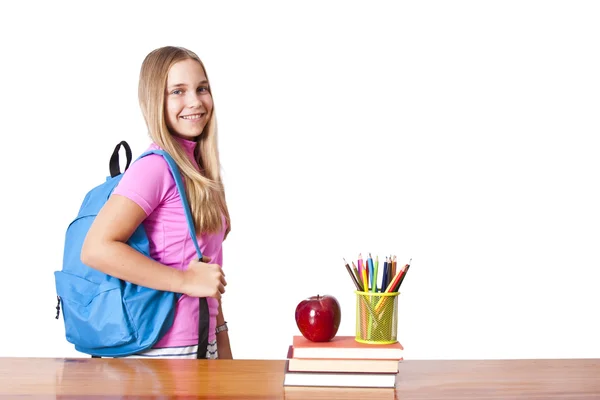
(376, 317)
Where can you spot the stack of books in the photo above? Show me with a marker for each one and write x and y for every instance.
(342, 362)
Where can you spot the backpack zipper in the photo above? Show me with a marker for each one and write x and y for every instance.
(57, 306)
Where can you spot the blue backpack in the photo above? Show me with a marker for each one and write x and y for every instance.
(105, 316)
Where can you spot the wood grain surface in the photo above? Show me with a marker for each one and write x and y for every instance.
(75, 378)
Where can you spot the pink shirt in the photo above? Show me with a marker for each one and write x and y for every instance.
(148, 182)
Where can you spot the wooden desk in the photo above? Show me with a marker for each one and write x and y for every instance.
(46, 378)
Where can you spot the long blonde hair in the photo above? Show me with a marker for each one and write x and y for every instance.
(205, 192)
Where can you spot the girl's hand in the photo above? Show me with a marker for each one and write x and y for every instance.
(202, 279)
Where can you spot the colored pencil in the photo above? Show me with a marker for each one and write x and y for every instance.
(371, 273)
(375, 274)
(393, 283)
(385, 274)
(360, 265)
(407, 266)
(358, 286)
(356, 274)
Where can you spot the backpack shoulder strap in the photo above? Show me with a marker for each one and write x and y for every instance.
(203, 321)
(179, 183)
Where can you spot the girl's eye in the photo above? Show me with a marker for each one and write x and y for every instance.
(176, 91)
(202, 89)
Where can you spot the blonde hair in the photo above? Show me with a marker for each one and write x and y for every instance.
(205, 192)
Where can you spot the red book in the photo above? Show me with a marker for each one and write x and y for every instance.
(345, 347)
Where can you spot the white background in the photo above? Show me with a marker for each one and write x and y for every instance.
(460, 134)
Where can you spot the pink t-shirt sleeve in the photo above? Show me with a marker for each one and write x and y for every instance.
(147, 182)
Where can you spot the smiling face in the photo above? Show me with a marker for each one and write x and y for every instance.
(188, 102)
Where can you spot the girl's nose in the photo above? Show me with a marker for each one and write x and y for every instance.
(194, 101)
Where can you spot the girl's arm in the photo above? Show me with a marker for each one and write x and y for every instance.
(106, 250)
(223, 345)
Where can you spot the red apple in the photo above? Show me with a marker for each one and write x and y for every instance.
(318, 317)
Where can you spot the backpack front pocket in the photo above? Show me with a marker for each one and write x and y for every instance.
(94, 314)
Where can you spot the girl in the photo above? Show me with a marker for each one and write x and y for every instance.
(176, 101)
